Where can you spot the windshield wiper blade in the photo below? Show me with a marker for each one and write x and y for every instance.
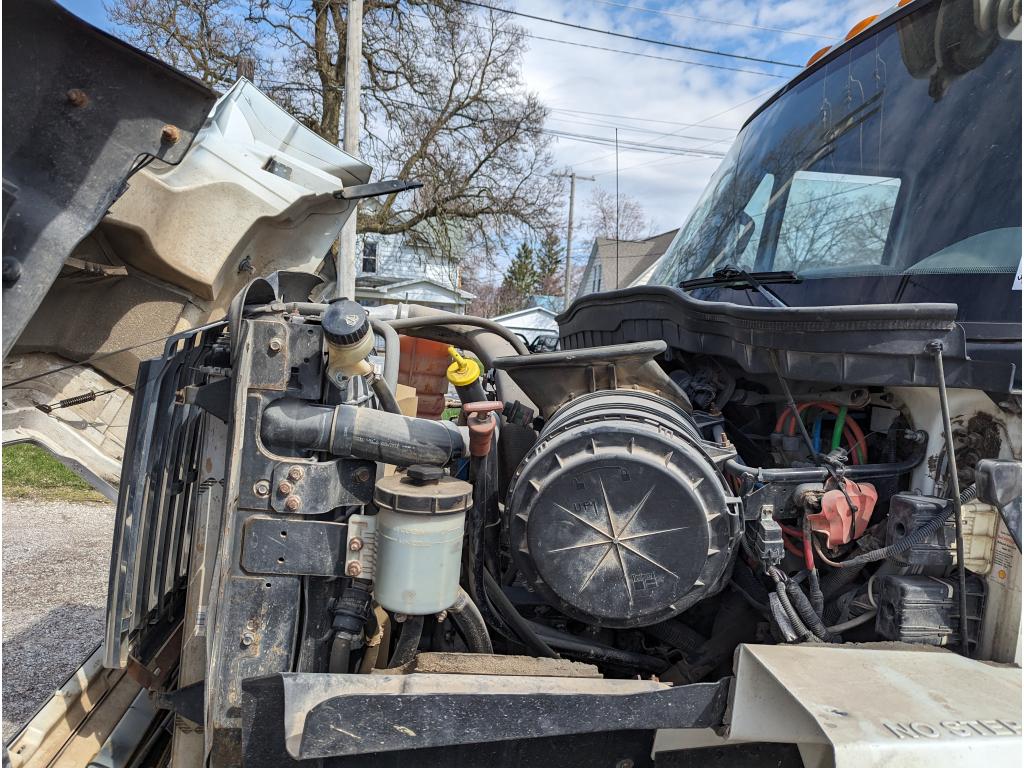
(735, 277)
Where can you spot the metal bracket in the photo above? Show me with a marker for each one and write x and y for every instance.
(187, 701)
(214, 398)
(361, 546)
(376, 189)
(272, 545)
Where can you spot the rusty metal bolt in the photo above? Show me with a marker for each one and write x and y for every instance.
(353, 569)
(355, 545)
(441, 616)
(292, 503)
(77, 97)
(284, 487)
(170, 134)
(248, 638)
(361, 475)
(261, 488)
(295, 474)
(275, 344)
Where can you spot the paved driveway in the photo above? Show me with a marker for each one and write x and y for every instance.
(56, 557)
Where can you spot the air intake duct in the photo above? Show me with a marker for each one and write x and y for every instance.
(619, 514)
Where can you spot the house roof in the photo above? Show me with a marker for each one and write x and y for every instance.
(511, 317)
(622, 265)
(383, 286)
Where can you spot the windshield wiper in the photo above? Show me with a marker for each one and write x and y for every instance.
(732, 277)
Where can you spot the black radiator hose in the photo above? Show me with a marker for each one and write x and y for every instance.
(470, 622)
(362, 433)
(408, 642)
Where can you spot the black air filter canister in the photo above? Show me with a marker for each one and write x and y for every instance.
(619, 515)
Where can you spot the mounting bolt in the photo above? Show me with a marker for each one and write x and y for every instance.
(400, 618)
(170, 134)
(275, 344)
(77, 97)
(261, 488)
(355, 545)
(361, 475)
(292, 503)
(248, 638)
(353, 569)
(295, 474)
(624, 763)
(441, 616)
(284, 487)
(11, 271)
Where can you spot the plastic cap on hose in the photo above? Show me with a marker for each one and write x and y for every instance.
(345, 322)
(464, 371)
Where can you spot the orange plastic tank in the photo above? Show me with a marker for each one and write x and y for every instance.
(423, 366)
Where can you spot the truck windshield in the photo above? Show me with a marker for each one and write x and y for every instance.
(899, 156)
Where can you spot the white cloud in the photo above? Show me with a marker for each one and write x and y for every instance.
(568, 77)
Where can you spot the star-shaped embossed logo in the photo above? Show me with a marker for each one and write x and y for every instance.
(614, 530)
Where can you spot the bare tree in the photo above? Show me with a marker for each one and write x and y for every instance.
(600, 219)
(444, 101)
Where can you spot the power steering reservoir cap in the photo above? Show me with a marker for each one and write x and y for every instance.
(345, 322)
(423, 491)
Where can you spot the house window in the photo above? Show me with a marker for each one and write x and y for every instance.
(369, 256)
(595, 284)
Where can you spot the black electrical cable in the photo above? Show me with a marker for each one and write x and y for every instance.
(596, 652)
(794, 618)
(811, 619)
(780, 619)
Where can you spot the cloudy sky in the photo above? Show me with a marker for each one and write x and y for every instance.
(668, 98)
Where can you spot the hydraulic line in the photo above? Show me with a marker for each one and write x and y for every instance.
(954, 481)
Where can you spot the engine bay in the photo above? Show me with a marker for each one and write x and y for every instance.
(630, 512)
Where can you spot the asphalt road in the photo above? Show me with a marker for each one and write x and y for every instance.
(56, 556)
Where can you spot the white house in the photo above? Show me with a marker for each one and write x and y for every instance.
(530, 323)
(405, 267)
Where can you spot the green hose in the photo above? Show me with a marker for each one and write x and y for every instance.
(837, 431)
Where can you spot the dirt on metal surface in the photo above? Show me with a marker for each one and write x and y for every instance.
(56, 556)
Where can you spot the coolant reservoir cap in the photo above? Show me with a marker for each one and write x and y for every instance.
(345, 322)
(411, 493)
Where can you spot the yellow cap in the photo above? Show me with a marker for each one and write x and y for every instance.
(464, 371)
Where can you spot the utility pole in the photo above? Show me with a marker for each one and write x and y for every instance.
(568, 235)
(346, 261)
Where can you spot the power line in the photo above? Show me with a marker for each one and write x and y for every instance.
(632, 129)
(649, 55)
(673, 133)
(635, 38)
(716, 21)
(643, 119)
(636, 146)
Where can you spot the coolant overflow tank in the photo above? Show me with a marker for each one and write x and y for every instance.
(419, 539)
(620, 516)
